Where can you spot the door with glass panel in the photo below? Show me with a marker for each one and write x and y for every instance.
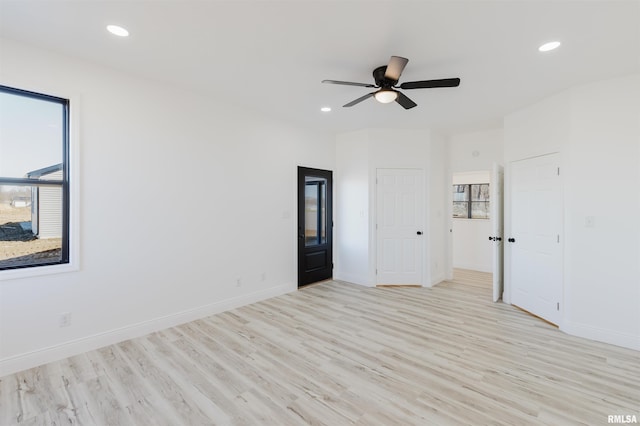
(315, 226)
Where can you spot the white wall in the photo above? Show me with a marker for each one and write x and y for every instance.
(438, 208)
(474, 151)
(471, 158)
(471, 246)
(359, 154)
(602, 287)
(481, 176)
(170, 181)
(351, 211)
(596, 128)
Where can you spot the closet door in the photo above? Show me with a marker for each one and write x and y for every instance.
(535, 238)
(400, 226)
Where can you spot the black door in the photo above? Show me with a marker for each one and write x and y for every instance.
(315, 226)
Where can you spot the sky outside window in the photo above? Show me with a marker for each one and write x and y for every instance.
(30, 134)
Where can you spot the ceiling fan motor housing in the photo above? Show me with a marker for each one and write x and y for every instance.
(381, 80)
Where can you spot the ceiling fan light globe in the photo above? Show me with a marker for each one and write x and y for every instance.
(386, 96)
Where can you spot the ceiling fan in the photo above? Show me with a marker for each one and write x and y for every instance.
(386, 78)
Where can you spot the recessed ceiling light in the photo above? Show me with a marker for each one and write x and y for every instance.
(549, 46)
(116, 30)
(325, 109)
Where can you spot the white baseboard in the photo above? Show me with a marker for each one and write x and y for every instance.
(474, 267)
(351, 278)
(612, 337)
(435, 280)
(32, 359)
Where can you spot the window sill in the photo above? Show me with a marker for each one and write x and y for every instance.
(16, 274)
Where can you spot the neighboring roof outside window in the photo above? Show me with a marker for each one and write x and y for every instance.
(44, 171)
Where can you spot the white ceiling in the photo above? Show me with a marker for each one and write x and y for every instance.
(272, 55)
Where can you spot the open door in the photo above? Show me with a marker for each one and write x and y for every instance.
(497, 226)
(315, 226)
(534, 239)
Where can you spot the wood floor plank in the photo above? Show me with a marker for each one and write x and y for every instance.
(340, 354)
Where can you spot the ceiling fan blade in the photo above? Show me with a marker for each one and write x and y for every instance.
(428, 84)
(395, 67)
(360, 99)
(348, 83)
(403, 100)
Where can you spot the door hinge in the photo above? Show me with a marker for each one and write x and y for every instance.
(376, 271)
(558, 171)
(558, 306)
(558, 238)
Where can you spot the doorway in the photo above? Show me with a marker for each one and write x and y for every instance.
(478, 217)
(472, 219)
(315, 225)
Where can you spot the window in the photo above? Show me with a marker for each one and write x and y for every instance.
(315, 202)
(471, 201)
(34, 179)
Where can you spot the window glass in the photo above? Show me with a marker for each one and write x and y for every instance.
(315, 194)
(311, 202)
(31, 135)
(471, 201)
(480, 201)
(461, 201)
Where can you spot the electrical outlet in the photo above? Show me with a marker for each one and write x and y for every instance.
(263, 277)
(65, 319)
(238, 282)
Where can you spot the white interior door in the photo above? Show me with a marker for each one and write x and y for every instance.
(497, 226)
(400, 226)
(535, 239)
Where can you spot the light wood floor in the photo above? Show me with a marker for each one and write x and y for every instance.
(473, 278)
(339, 354)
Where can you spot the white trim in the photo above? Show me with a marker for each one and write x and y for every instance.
(352, 278)
(613, 337)
(74, 347)
(440, 278)
(473, 267)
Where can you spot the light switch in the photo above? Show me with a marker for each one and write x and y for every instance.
(589, 222)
